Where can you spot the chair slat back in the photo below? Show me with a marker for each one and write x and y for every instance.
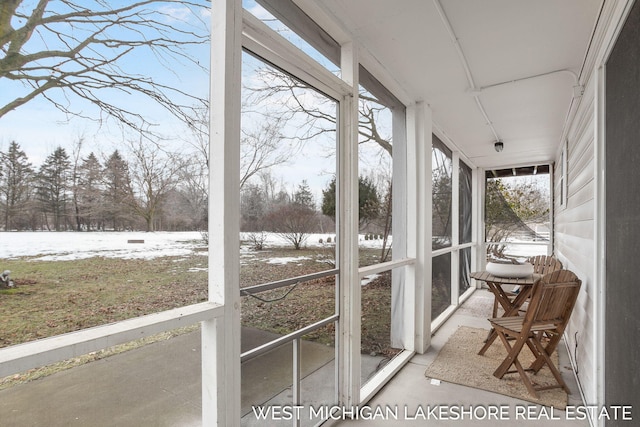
(543, 264)
(553, 298)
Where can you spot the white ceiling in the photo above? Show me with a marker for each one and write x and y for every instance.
(500, 41)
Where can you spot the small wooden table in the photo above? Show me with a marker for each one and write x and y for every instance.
(510, 307)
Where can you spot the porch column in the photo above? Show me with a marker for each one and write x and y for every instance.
(419, 230)
(221, 339)
(348, 259)
(404, 211)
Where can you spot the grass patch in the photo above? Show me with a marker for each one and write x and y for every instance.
(53, 298)
(56, 297)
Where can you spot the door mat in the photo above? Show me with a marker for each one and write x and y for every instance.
(459, 362)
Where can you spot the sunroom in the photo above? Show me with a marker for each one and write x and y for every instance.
(455, 94)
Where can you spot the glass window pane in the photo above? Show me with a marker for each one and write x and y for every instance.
(376, 115)
(375, 200)
(441, 285)
(287, 165)
(442, 169)
(376, 345)
(465, 269)
(465, 203)
(111, 154)
(294, 25)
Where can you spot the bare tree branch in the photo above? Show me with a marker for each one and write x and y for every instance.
(318, 118)
(70, 49)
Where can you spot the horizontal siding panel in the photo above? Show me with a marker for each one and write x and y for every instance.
(582, 229)
(582, 122)
(581, 153)
(579, 177)
(577, 249)
(581, 195)
(579, 335)
(581, 212)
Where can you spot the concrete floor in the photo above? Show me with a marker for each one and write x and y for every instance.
(159, 385)
(413, 394)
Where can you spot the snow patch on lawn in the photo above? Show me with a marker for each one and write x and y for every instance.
(286, 260)
(63, 246)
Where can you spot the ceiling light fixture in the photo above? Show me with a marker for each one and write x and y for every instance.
(499, 145)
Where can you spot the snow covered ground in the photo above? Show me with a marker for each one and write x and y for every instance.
(59, 246)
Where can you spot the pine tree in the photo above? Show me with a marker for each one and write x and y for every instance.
(54, 179)
(368, 201)
(16, 175)
(303, 196)
(89, 191)
(117, 191)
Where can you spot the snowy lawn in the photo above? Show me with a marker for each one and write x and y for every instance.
(69, 281)
(61, 246)
(73, 280)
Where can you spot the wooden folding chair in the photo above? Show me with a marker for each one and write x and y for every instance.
(552, 300)
(542, 264)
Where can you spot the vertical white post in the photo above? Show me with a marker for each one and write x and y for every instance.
(476, 219)
(348, 259)
(221, 339)
(419, 140)
(402, 295)
(296, 389)
(455, 228)
(600, 254)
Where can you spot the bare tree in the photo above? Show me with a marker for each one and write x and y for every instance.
(75, 185)
(193, 184)
(293, 222)
(316, 117)
(262, 149)
(279, 95)
(153, 175)
(61, 50)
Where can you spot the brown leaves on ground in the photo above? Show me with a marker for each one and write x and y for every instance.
(52, 298)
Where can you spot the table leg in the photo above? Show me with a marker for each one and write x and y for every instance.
(510, 309)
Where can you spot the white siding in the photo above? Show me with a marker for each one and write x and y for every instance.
(574, 238)
(578, 225)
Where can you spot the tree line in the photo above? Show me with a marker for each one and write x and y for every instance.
(147, 188)
(267, 206)
(69, 192)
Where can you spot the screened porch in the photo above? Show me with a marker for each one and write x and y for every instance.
(439, 112)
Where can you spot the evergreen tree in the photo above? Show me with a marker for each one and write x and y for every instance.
(89, 191)
(368, 200)
(16, 175)
(53, 186)
(117, 191)
(303, 196)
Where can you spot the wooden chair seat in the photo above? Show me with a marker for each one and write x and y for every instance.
(552, 300)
